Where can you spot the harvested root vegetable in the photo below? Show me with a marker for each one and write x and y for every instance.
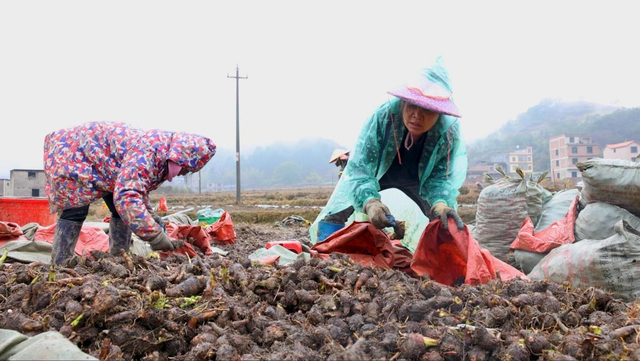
(106, 299)
(412, 346)
(192, 286)
(155, 282)
(15, 320)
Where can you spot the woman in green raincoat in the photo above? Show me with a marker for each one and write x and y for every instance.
(412, 143)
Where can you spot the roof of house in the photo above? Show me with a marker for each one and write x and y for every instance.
(620, 145)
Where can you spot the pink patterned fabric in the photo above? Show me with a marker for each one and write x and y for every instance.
(439, 104)
(86, 162)
(174, 169)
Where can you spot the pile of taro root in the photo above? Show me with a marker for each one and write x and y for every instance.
(226, 307)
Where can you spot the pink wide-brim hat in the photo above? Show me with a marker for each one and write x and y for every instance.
(429, 96)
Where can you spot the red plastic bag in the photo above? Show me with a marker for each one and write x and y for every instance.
(558, 233)
(90, 239)
(452, 256)
(187, 249)
(10, 231)
(199, 236)
(366, 245)
(222, 230)
(162, 206)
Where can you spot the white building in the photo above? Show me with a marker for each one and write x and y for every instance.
(626, 151)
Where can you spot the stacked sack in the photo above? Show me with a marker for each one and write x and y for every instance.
(606, 232)
(502, 208)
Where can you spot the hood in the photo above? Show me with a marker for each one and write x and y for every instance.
(191, 151)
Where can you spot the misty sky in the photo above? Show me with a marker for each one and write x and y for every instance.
(316, 69)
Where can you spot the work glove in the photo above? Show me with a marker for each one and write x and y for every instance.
(159, 220)
(379, 214)
(444, 212)
(161, 243)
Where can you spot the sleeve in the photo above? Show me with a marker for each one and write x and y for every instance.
(360, 174)
(131, 196)
(449, 172)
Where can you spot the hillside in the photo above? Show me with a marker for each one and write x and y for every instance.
(280, 165)
(606, 124)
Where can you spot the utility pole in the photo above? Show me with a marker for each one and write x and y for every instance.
(237, 78)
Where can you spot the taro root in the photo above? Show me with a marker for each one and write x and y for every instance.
(390, 341)
(114, 269)
(451, 346)
(355, 322)
(73, 309)
(412, 346)
(15, 320)
(535, 342)
(155, 282)
(353, 352)
(415, 310)
(202, 351)
(572, 345)
(515, 352)
(106, 299)
(478, 354)
(192, 286)
(484, 339)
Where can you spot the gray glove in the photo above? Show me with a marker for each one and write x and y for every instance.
(161, 243)
(444, 212)
(378, 213)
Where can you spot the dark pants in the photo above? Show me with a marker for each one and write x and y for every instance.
(411, 192)
(80, 214)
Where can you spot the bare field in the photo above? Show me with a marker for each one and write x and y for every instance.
(268, 206)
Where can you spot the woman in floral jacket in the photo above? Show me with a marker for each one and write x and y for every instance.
(120, 164)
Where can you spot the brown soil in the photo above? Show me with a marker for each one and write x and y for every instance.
(218, 307)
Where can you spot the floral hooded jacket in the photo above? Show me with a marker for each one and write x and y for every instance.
(84, 163)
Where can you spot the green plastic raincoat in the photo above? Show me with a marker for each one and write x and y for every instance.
(442, 168)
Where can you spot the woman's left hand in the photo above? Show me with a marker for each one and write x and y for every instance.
(444, 212)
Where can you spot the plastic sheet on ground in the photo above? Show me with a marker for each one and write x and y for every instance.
(91, 238)
(455, 257)
(276, 255)
(49, 345)
(28, 251)
(367, 245)
(293, 220)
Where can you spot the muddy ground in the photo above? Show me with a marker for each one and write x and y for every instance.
(227, 308)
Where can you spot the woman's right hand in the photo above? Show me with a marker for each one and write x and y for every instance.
(378, 213)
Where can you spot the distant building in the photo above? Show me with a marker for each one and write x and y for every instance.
(476, 172)
(627, 151)
(26, 183)
(566, 150)
(522, 158)
(4, 186)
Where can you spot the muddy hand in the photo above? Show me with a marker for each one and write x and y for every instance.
(444, 212)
